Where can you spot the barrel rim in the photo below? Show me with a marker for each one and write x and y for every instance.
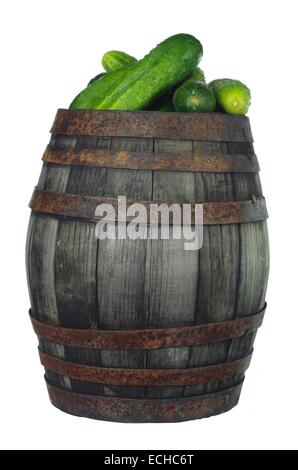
(215, 126)
(144, 410)
(166, 113)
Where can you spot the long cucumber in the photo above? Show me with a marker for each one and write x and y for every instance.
(138, 86)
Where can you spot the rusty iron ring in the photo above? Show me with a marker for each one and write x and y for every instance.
(144, 410)
(153, 161)
(150, 338)
(216, 127)
(145, 377)
(84, 207)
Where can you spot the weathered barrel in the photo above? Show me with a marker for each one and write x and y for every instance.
(143, 330)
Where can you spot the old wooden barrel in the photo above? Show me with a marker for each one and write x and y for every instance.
(144, 330)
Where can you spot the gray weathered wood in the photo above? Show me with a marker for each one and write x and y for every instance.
(121, 270)
(217, 280)
(41, 248)
(173, 271)
(76, 265)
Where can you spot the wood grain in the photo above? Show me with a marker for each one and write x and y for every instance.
(40, 260)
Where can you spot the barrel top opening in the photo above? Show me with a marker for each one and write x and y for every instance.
(153, 124)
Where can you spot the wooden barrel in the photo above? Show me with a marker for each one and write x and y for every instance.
(144, 330)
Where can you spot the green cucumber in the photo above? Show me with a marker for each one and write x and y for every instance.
(100, 75)
(197, 75)
(194, 96)
(232, 96)
(116, 60)
(141, 84)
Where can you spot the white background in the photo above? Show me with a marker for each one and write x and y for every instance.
(49, 51)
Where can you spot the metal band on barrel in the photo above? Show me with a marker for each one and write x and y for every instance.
(154, 161)
(84, 207)
(144, 410)
(145, 377)
(148, 338)
(216, 127)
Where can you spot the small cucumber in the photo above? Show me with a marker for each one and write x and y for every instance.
(232, 96)
(112, 61)
(197, 75)
(100, 75)
(194, 96)
(116, 60)
(140, 85)
(165, 103)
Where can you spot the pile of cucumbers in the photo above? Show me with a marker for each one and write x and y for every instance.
(166, 79)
